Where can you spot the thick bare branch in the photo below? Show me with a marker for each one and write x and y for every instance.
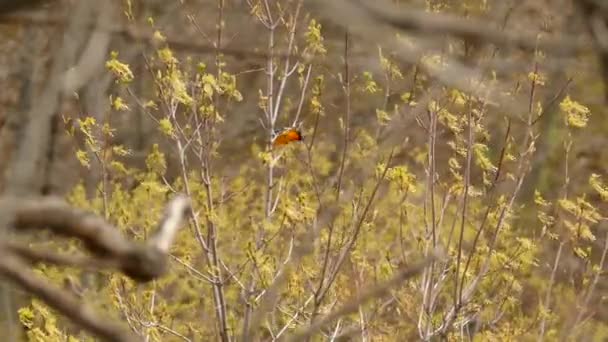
(145, 35)
(139, 261)
(420, 21)
(9, 6)
(15, 269)
(33, 256)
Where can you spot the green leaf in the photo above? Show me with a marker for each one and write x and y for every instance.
(166, 127)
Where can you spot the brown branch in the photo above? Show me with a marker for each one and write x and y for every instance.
(139, 261)
(450, 72)
(17, 271)
(33, 256)
(420, 21)
(599, 29)
(10, 6)
(146, 36)
(161, 241)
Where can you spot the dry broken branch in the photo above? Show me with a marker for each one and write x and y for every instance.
(420, 21)
(142, 261)
(17, 271)
(33, 256)
(10, 6)
(139, 261)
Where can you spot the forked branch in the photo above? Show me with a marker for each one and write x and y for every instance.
(373, 293)
(142, 261)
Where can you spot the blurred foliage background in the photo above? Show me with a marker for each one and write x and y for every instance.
(416, 139)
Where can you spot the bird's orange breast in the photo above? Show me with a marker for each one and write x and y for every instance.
(286, 137)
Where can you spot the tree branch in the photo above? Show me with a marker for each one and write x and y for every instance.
(420, 21)
(9, 6)
(373, 293)
(142, 262)
(15, 269)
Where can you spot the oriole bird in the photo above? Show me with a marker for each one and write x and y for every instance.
(286, 136)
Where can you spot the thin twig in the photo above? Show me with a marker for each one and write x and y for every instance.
(373, 293)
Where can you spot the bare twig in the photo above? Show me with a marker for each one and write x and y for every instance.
(346, 122)
(373, 293)
(546, 305)
(321, 292)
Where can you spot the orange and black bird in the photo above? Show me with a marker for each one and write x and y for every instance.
(286, 136)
